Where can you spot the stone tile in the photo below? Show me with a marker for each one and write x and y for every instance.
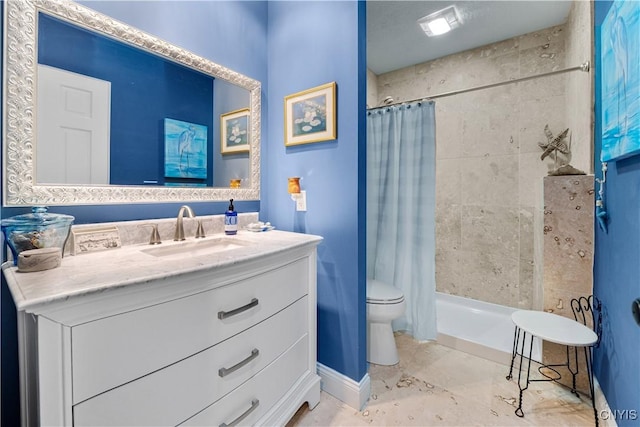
(442, 75)
(526, 284)
(538, 256)
(436, 385)
(448, 182)
(396, 76)
(448, 227)
(489, 276)
(372, 89)
(526, 223)
(505, 47)
(490, 180)
(554, 37)
(476, 102)
(558, 301)
(480, 71)
(542, 88)
(449, 125)
(539, 60)
(569, 193)
(492, 69)
(530, 187)
(449, 278)
(526, 275)
(490, 229)
(534, 115)
(568, 233)
(491, 132)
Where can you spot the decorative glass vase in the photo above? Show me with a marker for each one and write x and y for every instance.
(36, 230)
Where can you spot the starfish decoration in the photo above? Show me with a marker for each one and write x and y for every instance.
(554, 144)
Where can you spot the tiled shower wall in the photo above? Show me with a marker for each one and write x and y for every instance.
(489, 174)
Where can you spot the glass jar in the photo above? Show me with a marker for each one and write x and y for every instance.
(36, 230)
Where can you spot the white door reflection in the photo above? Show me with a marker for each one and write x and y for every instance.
(74, 119)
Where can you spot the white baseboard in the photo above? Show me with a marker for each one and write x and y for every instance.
(354, 394)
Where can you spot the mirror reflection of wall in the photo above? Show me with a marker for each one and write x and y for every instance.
(144, 91)
(226, 98)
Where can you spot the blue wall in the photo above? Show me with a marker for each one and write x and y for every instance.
(617, 269)
(137, 134)
(310, 44)
(230, 33)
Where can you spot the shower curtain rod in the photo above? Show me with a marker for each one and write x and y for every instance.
(585, 66)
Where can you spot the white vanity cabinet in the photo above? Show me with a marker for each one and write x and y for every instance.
(231, 342)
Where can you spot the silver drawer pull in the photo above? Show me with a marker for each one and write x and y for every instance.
(223, 372)
(225, 314)
(254, 405)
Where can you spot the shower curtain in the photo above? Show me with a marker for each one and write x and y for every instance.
(401, 209)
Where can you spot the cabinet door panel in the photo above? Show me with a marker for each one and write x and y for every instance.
(115, 350)
(265, 389)
(175, 393)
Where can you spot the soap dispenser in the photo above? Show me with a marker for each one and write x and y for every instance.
(230, 220)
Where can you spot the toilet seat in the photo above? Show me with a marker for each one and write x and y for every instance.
(382, 293)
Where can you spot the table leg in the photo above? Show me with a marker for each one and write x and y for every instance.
(518, 411)
(516, 335)
(574, 373)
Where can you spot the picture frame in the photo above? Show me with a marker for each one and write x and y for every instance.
(87, 240)
(620, 78)
(185, 149)
(234, 132)
(310, 115)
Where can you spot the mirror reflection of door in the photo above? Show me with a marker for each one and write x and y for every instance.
(74, 118)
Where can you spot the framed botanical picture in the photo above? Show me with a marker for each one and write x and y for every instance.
(310, 115)
(620, 79)
(185, 149)
(234, 132)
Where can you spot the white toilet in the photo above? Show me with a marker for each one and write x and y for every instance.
(384, 304)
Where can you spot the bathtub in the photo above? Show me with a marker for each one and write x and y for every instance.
(477, 327)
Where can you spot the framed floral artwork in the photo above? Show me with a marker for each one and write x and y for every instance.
(234, 132)
(310, 115)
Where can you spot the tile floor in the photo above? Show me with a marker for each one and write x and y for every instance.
(437, 385)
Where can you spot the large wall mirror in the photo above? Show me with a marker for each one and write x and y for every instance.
(97, 112)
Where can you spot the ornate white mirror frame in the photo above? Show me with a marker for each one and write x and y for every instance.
(19, 118)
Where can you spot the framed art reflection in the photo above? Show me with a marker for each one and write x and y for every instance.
(234, 132)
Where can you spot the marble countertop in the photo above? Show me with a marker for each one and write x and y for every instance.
(99, 271)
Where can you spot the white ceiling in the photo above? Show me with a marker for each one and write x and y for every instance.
(395, 40)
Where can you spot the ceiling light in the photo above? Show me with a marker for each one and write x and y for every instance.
(438, 26)
(440, 22)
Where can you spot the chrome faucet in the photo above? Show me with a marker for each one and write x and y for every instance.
(179, 234)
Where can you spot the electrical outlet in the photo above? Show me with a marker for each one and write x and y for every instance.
(301, 202)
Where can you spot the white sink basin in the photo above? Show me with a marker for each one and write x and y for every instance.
(192, 248)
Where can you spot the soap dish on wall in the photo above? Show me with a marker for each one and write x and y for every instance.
(88, 240)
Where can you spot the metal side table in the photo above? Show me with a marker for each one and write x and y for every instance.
(556, 329)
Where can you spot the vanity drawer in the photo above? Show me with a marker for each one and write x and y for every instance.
(257, 396)
(115, 350)
(173, 394)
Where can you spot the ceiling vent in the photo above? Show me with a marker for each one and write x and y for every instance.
(440, 22)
